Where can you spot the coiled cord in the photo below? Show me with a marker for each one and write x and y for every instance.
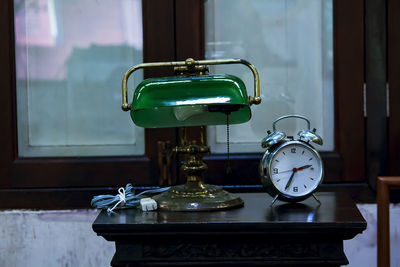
(126, 196)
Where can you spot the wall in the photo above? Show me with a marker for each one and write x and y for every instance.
(66, 238)
(52, 238)
(362, 250)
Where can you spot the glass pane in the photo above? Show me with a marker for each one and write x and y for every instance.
(70, 59)
(290, 43)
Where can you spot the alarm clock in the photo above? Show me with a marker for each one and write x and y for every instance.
(291, 170)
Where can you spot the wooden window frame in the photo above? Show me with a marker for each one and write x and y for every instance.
(346, 162)
(393, 58)
(71, 182)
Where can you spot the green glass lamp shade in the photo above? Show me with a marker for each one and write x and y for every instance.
(190, 101)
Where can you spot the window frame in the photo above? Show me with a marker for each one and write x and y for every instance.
(68, 173)
(393, 58)
(346, 162)
(71, 182)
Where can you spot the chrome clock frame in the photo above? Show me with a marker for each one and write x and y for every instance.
(265, 171)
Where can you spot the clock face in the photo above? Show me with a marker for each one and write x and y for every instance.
(295, 169)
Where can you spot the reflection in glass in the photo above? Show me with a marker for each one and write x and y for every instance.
(70, 58)
(290, 43)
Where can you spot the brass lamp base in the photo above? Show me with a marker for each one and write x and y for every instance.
(197, 196)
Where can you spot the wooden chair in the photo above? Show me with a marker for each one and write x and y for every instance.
(383, 186)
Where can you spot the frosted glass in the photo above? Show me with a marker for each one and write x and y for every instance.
(290, 43)
(70, 59)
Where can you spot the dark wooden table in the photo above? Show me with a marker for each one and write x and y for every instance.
(300, 234)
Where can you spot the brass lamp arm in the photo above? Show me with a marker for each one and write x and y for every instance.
(190, 63)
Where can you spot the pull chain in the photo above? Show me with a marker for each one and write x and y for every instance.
(228, 165)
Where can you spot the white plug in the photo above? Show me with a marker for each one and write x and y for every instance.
(148, 204)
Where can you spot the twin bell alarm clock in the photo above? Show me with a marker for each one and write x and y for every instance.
(291, 170)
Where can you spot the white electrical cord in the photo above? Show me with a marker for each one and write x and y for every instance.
(125, 198)
(122, 198)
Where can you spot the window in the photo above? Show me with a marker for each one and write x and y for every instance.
(271, 41)
(22, 168)
(291, 44)
(70, 56)
(172, 30)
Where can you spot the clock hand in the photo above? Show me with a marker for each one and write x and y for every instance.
(297, 169)
(290, 179)
(293, 172)
(285, 171)
(304, 167)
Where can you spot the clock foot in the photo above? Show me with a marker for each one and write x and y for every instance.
(315, 197)
(273, 201)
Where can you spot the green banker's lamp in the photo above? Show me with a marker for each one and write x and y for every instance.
(192, 98)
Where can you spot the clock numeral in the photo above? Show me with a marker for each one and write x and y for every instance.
(310, 158)
(275, 170)
(302, 152)
(295, 189)
(293, 150)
